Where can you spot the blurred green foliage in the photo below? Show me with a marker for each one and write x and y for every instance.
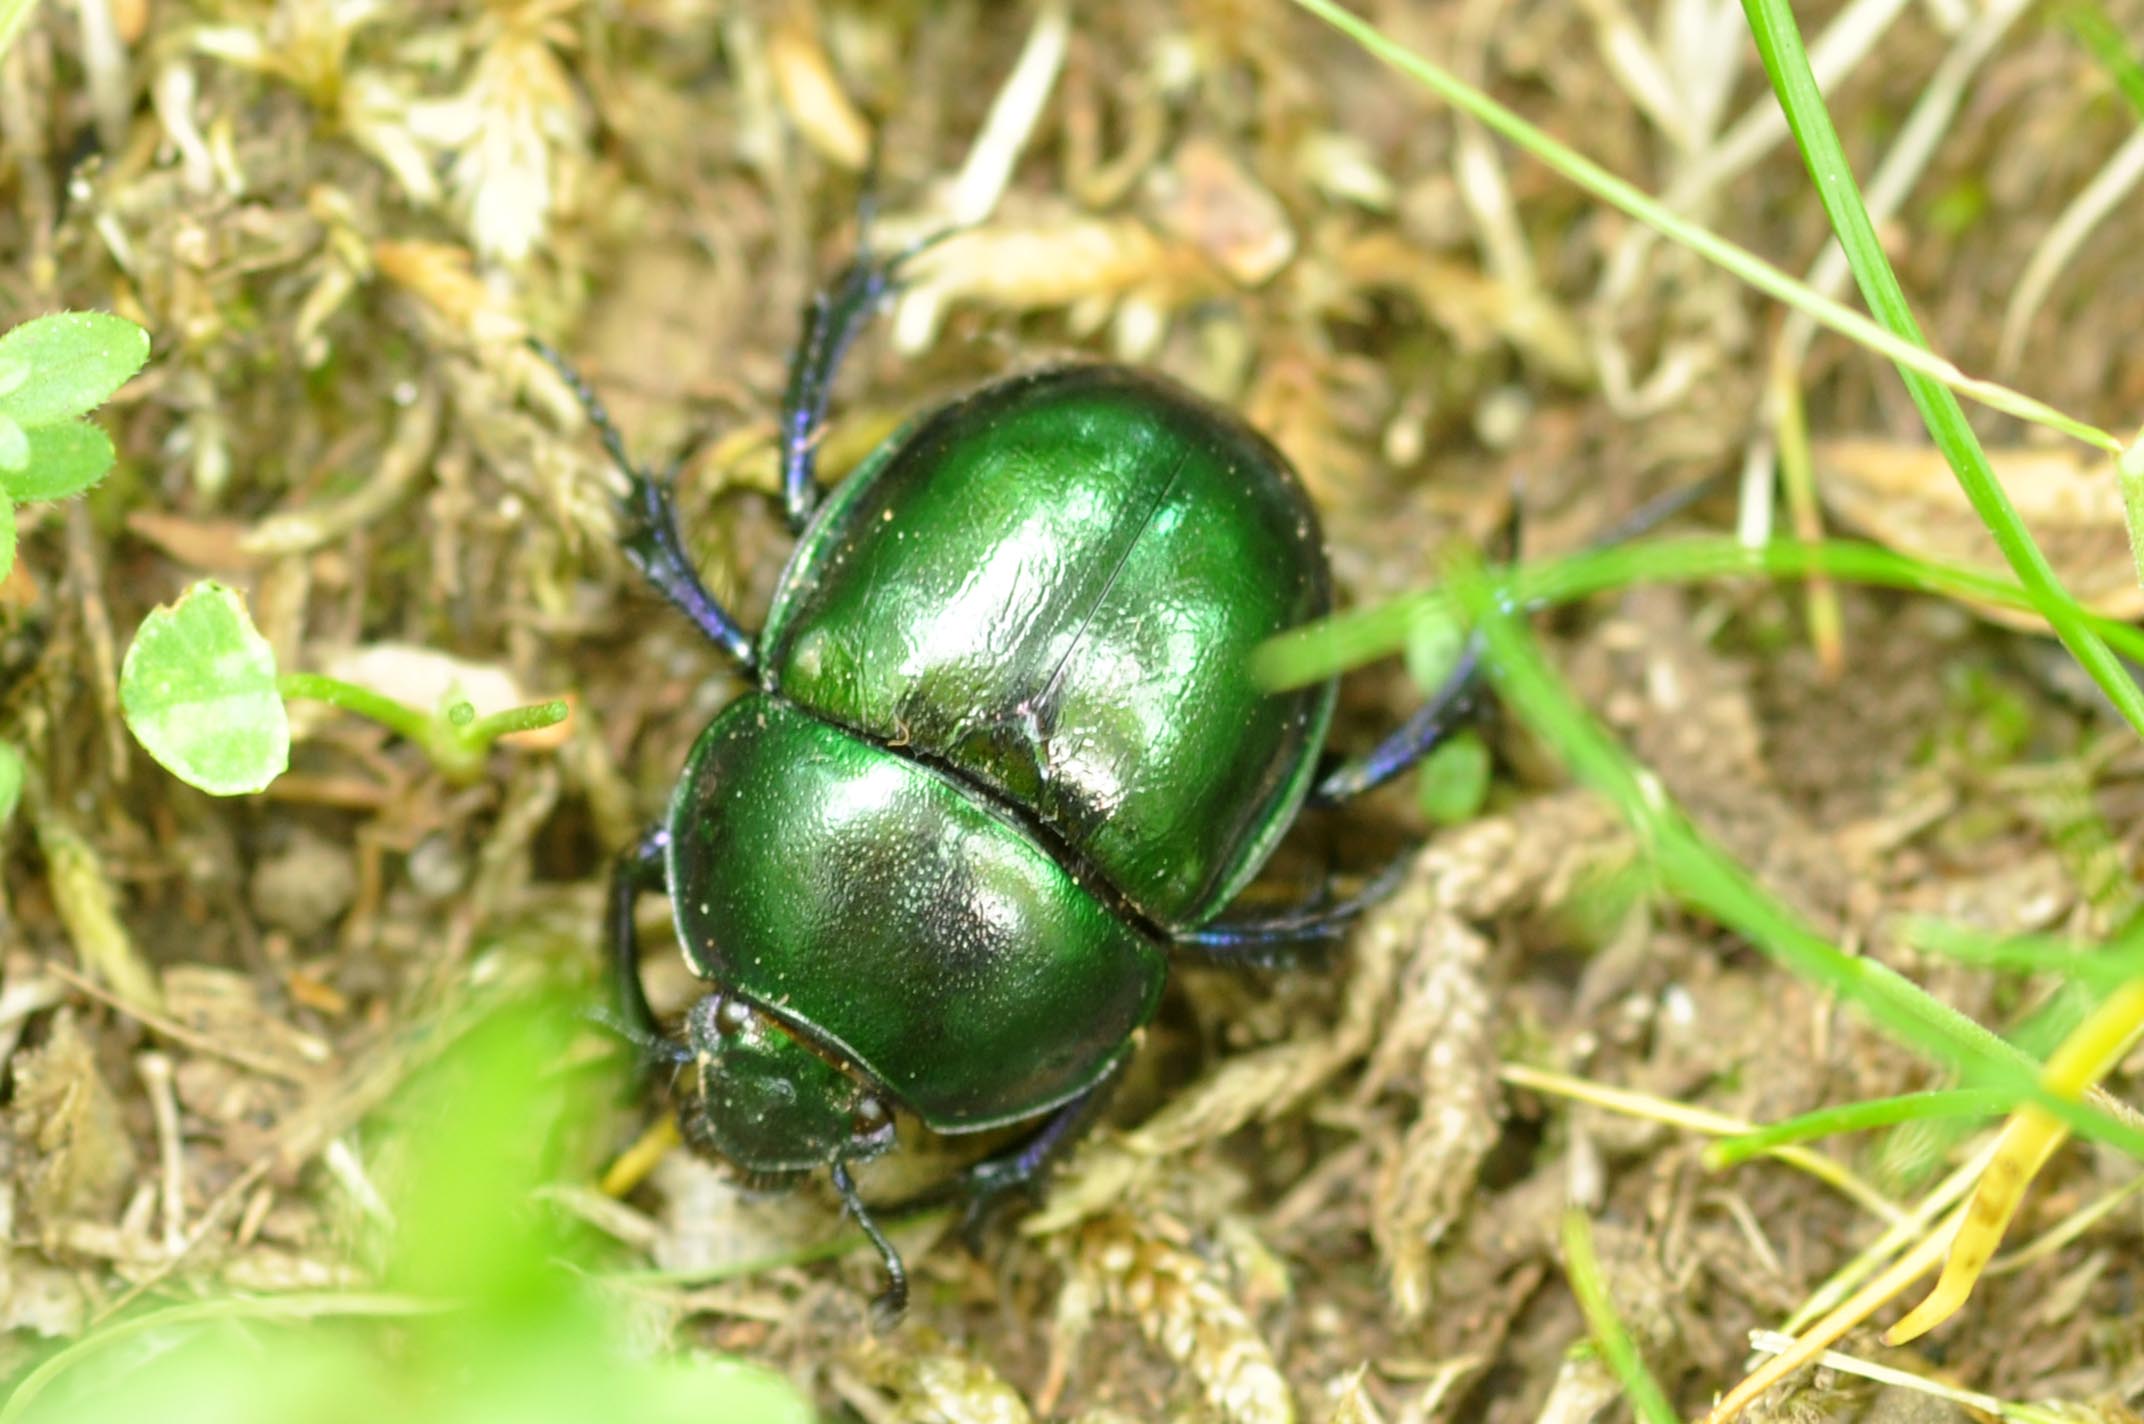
(53, 370)
(486, 1310)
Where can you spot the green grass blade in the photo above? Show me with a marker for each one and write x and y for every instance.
(1583, 1266)
(2104, 42)
(2102, 968)
(1787, 64)
(1856, 1117)
(1742, 263)
(1702, 876)
(296, 1305)
(1333, 645)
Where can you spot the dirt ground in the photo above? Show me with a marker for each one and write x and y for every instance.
(1325, 1194)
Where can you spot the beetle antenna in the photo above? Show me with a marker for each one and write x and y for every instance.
(893, 1300)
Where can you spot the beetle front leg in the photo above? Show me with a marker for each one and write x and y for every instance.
(652, 540)
(638, 869)
(1022, 1167)
(892, 1302)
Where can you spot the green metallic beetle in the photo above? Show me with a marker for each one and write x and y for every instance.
(1004, 760)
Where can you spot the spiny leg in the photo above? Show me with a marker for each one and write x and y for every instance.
(1022, 1166)
(1276, 940)
(1458, 698)
(982, 1187)
(652, 540)
(639, 868)
(1414, 738)
(832, 322)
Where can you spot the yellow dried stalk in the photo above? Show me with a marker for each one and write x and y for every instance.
(88, 907)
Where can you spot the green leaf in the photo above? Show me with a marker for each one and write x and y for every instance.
(14, 447)
(64, 459)
(13, 372)
(198, 689)
(10, 780)
(1434, 646)
(681, 1388)
(1454, 780)
(76, 361)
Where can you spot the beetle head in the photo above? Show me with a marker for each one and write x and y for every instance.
(769, 1102)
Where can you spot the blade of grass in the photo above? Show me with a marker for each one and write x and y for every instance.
(1779, 45)
(1907, 157)
(1331, 646)
(14, 14)
(1609, 1337)
(2105, 968)
(1855, 1117)
(1701, 875)
(2103, 40)
(1651, 1108)
(297, 1305)
(1742, 263)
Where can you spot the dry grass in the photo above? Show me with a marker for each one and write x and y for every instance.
(1319, 1198)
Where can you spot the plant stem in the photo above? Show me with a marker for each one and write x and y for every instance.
(1741, 262)
(486, 730)
(1779, 44)
(457, 750)
(1858, 1117)
(1332, 645)
(1590, 1286)
(396, 716)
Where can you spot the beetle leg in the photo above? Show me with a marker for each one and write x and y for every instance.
(1274, 940)
(1459, 697)
(1022, 1166)
(1415, 738)
(832, 321)
(893, 1300)
(638, 868)
(983, 1186)
(651, 539)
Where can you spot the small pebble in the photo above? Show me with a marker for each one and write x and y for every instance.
(305, 887)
